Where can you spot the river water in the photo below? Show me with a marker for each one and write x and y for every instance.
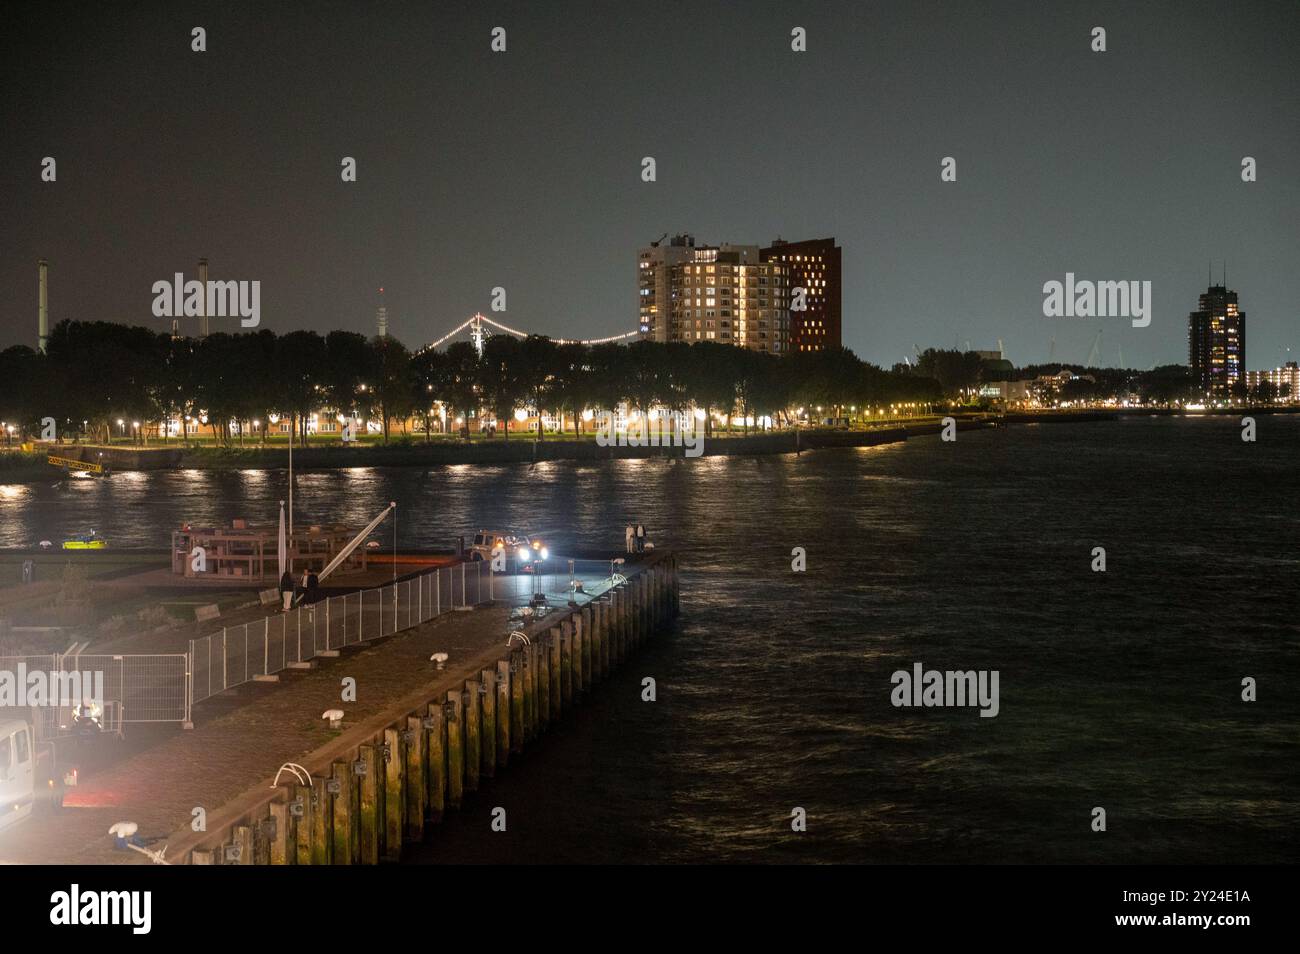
(1119, 690)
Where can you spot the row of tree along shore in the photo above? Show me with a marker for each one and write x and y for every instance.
(21, 467)
(115, 383)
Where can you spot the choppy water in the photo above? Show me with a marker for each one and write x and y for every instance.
(1119, 690)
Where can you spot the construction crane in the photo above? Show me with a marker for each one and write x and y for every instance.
(1095, 353)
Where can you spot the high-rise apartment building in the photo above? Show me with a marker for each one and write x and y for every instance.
(722, 293)
(655, 265)
(814, 265)
(1216, 343)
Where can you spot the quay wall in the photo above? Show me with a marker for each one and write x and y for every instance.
(383, 784)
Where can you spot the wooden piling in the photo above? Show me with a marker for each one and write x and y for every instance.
(435, 761)
(369, 821)
(473, 754)
(283, 837)
(600, 650)
(518, 701)
(394, 794)
(543, 682)
(343, 814)
(243, 837)
(304, 829)
(503, 712)
(320, 842)
(417, 779)
(455, 750)
(582, 653)
(553, 665)
(525, 675)
(566, 665)
(488, 725)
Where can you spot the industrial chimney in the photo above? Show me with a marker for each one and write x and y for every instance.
(203, 305)
(43, 312)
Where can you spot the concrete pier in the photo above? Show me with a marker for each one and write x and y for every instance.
(383, 785)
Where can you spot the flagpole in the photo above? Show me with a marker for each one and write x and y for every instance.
(293, 425)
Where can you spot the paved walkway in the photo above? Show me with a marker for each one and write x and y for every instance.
(225, 755)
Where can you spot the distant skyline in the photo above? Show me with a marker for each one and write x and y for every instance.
(522, 169)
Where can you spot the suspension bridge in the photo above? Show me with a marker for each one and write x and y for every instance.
(476, 327)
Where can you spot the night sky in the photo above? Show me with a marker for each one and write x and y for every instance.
(522, 169)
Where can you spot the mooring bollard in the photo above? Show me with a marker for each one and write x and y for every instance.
(394, 766)
(488, 725)
(343, 813)
(417, 787)
(473, 755)
(435, 761)
(504, 729)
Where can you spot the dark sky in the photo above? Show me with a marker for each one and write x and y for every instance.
(522, 169)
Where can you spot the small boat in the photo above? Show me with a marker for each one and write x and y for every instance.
(87, 541)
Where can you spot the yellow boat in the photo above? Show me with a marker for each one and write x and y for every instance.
(88, 542)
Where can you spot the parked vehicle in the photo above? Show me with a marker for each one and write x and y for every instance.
(519, 547)
(17, 772)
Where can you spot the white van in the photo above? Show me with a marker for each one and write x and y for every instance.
(17, 772)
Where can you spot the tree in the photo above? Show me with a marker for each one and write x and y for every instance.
(538, 364)
(300, 358)
(571, 389)
(350, 362)
(392, 388)
(501, 380)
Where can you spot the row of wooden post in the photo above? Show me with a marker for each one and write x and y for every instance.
(403, 781)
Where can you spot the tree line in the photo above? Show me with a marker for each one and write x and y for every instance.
(94, 374)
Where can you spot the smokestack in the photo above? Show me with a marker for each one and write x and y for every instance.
(43, 313)
(203, 305)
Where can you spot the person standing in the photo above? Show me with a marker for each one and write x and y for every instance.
(629, 536)
(313, 588)
(286, 590)
(640, 538)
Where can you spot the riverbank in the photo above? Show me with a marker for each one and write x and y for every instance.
(17, 467)
(20, 468)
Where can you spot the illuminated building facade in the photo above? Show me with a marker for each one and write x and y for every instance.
(814, 266)
(722, 293)
(1281, 384)
(1216, 343)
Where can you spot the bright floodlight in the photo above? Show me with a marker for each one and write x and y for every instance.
(523, 553)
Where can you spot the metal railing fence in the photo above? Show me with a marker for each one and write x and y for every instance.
(239, 654)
